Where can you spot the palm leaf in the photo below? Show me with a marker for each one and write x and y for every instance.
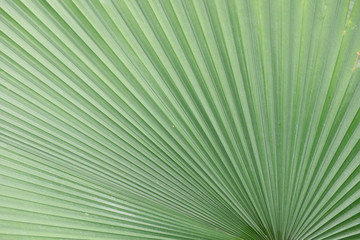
(186, 119)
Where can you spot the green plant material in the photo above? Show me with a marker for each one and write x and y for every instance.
(179, 119)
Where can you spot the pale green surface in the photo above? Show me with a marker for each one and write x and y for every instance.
(178, 119)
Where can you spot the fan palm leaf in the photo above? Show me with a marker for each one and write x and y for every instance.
(179, 119)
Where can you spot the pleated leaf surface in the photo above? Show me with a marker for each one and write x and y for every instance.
(180, 119)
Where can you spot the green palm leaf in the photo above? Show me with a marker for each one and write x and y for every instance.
(179, 119)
